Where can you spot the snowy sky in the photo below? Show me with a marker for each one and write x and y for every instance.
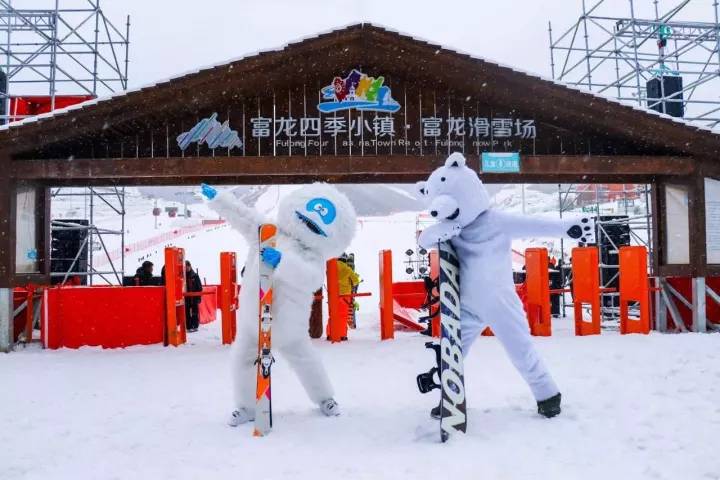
(172, 36)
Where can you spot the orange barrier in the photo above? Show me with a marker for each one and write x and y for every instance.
(396, 298)
(340, 307)
(387, 328)
(104, 316)
(538, 291)
(228, 296)
(175, 333)
(23, 321)
(634, 287)
(209, 306)
(586, 289)
(337, 309)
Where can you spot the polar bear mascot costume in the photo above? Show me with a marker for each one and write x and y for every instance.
(482, 236)
(315, 223)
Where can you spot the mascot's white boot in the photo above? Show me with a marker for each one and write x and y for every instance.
(482, 236)
(315, 223)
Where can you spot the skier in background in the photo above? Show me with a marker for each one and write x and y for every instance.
(348, 280)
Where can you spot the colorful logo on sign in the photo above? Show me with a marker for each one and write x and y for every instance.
(357, 91)
(212, 132)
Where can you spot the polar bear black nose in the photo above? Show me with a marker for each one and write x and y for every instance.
(433, 213)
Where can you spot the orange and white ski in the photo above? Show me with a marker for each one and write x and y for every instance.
(263, 400)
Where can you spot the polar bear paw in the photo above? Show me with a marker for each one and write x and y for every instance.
(440, 232)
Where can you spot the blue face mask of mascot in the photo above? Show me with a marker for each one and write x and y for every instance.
(481, 235)
(315, 223)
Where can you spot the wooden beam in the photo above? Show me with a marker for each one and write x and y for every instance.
(343, 169)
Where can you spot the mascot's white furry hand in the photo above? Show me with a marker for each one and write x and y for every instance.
(582, 229)
(271, 256)
(439, 232)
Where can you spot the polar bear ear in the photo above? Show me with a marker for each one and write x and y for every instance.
(421, 189)
(456, 159)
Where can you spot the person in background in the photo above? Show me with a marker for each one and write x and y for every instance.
(555, 283)
(192, 304)
(144, 275)
(348, 280)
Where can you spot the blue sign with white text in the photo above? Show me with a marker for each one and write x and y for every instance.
(501, 162)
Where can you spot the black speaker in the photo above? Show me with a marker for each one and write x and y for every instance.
(670, 84)
(64, 247)
(611, 236)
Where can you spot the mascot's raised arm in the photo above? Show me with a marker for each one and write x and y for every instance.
(455, 196)
(315, 223)
(481, 235)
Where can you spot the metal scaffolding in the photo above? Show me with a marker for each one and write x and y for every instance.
(630, 206)
(106, 204)
(618, 56)
(70, 48)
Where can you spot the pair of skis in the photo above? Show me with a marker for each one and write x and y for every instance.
(448, 351)
(263, 401)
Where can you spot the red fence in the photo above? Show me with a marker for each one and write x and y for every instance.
(110, 317)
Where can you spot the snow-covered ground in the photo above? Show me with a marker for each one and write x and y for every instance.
(636, 407)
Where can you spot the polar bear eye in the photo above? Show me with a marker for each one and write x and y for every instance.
(442, 179)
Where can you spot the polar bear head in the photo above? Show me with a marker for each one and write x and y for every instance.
(319, 217)
(454, 192)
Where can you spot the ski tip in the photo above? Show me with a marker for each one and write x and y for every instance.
(267, 230)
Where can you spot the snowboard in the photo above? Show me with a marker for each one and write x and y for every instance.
(448, 352)
(263, 400)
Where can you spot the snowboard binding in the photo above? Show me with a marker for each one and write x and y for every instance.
(426, 381)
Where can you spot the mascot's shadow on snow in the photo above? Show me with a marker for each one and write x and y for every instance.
(482, 237)
(315, 223)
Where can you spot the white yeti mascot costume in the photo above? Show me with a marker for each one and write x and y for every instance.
(315, 223)
(482, 238)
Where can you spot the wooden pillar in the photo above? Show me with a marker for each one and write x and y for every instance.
(7, 231)
(696, 210)
(6, 320)
(698, 251)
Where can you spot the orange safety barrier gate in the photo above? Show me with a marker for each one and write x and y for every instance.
(175, 333)
(228, 296)
(387, 329)
(396, 297)
(339, 306)
(634, 287)
(538, 291)
(586, 289)
(337, 310)
(23, 321)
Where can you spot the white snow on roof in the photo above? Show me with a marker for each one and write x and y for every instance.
(625, 103)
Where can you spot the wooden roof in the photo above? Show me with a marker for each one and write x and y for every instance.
(402, 56)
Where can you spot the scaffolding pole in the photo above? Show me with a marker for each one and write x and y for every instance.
(621, 54)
